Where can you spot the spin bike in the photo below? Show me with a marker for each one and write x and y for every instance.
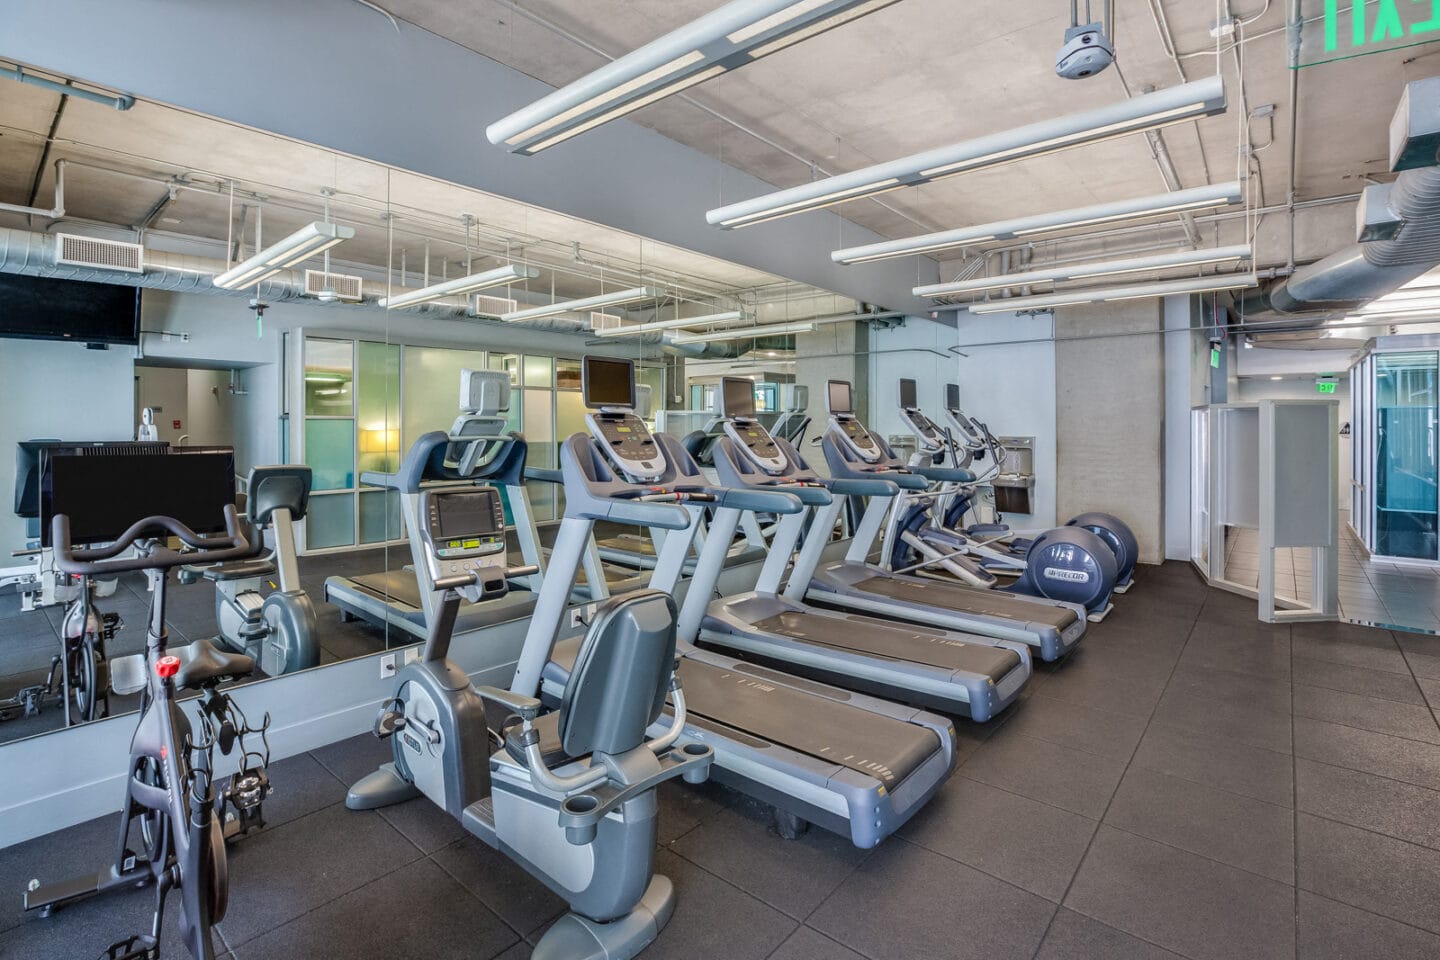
(79, 676)
(170, 775)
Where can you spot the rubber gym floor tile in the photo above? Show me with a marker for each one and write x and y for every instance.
(1247, 692)
(1328, 930)
(1367, 713)
(714, 919)
(806, 944)
(1028, 843)
(1156, 615)
(1426, 666)
(84, 930)
(739, 845)
(423, 824)
(1394, 757)
(280, 874)
(66, 853)
(908, 902)
(1226, 764)
(353, 758)
(1093, 687)
(1365, 647)
(684, 807)
(1380, 874)
(1239, 653)
(1081, 728)
(1074, 936)
(1183, 902)
(523, 902)
(1400, 810)
(300, 786)
(1120, 657)
(1430, 690)
(1358, 680)
(350, 640)
(1079, 782)
(1211, 718)
(1240, 831)
(418, 913)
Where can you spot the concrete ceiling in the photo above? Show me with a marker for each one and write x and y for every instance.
(144, 149)
(923, 73)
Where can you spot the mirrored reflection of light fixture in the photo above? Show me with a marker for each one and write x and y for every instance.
(713, 319)
(299, 246)
(460, 286)
(632, 295)
(737, 33)
(1086, 271)
(1159, 288)
(1187, 101)
(747, 333)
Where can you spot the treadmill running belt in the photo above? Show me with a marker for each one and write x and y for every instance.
(959, 597)
(898, 642)
(870, 743)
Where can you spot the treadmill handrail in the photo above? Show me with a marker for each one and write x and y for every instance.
(945, 474)
(755, 500)
(869, 487)
(545, 474)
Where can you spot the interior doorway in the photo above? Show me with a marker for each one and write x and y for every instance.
(193, 406)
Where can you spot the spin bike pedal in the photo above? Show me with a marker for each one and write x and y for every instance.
(142, 946)
(390, 718)
(245, 796)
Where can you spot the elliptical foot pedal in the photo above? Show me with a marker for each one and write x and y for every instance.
(789, 825)
(139, 947)
(390, 718)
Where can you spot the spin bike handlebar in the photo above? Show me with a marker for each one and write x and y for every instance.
(102, 561)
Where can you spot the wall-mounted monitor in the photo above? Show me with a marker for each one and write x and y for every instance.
(44, 308)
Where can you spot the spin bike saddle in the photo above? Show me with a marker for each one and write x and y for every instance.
(208, 665)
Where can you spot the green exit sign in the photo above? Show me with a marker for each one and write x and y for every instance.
(1325, 386)
(1356, 28)
(1215, 357)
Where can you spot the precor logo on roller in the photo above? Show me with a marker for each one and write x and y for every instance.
(1073, 576)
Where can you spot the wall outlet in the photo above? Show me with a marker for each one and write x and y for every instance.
(580, 616)
(387, 666)
(412, 655)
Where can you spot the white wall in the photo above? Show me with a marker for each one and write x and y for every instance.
(1262, 389)
(209, 407)
(60, 391)
(1183, 365)
(167, 390)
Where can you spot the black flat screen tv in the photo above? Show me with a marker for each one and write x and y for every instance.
(45, 308)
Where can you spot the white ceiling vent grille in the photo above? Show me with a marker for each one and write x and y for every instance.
(76, 251)
(606, 321)
(345, 286)
(493, 307)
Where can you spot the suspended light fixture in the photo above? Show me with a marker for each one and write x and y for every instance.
(1085, 271)
(711, 320)
(1180, 201)
(748, 333)
(738, 33)
(460, 286)
(1161, 288)
(299, 246)
(1188, 101)
(589, 303)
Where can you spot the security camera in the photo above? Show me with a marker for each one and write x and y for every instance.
(1086, 52)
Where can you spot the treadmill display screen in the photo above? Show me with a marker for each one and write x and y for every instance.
(839, 397)
(467, 517)
(737, 398)
(907, 395)
(952, 396)
(607, 383)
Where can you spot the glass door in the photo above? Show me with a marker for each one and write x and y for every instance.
(1405, 460)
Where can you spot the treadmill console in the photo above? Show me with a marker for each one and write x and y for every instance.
(924, 429)
(627, 443)
(464, 532)
(751, 437)
(858, 438)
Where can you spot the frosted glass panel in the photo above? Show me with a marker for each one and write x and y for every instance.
(330, 452)
(329, 375)
(510, 363)
(379, 516)
(330, 521)
(378, 407)
(567, 374)
(432, 388)
(569, 415)
(539, 371)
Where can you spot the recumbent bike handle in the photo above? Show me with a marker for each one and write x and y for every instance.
(459, 580)
(101, 561)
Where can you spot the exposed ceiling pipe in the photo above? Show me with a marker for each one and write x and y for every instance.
(56, 212)
(119, 102)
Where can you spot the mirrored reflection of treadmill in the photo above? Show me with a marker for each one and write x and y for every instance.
(847, 762)
(476, 450)
(1050, 628)
(944, 669)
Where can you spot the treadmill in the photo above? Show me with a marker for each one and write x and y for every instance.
(476, 450)
(1049, 627)
(852, 764)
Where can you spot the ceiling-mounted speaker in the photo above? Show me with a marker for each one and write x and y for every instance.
(74, 251)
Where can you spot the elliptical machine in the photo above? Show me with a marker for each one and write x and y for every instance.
(170, 775)
(570, 795)
(277, 631)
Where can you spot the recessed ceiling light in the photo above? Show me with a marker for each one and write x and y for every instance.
(1277, 378)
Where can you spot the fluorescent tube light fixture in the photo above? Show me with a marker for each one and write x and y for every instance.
(738, 33)
(589, 303)
(1188, 101)
(299, 246)
(713, 319)
(1180, 201)
(1084, 271)
(748, 333)
(1161, 288)
(460, 286)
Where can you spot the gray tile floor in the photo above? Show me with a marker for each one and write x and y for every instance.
(1378, 592)
(1191, 783)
